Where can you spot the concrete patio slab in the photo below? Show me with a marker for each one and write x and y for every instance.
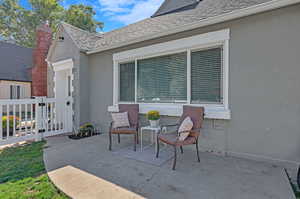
(87, 161)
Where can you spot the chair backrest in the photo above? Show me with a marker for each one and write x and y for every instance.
(195, 113)
(133, 112)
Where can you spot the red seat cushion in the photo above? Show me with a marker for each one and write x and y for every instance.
(124, 130)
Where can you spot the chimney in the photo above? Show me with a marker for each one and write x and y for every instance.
(39, 70)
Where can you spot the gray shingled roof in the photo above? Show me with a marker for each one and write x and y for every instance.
(15, 62)
(151, 26)
(169, 6)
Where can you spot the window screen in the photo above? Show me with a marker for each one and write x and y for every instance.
(162, 79)
(206, 76)
(127, 79)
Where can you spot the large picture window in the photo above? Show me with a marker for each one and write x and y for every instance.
(162, 79)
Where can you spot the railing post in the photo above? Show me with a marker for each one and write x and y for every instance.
(38, 118)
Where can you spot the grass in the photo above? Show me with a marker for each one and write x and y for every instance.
(297, 193)
(293, 185)
(23, 174)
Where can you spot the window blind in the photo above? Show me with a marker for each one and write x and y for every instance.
(127, 82)
(162, 79)
(206, 76)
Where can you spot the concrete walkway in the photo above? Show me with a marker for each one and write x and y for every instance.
(86, 169)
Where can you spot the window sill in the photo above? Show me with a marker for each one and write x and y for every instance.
(211, 111)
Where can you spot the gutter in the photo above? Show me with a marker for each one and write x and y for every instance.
(13, 80)
(209, 21)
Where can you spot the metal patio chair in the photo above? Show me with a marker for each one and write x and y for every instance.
(197, 115)
(133, 116)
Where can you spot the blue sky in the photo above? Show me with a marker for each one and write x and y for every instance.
(116, 13)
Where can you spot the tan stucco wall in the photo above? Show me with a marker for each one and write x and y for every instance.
(5, 89)
(264, 87)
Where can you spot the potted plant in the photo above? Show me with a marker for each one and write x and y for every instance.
(86, 129)
(153, 117)
(10, 123)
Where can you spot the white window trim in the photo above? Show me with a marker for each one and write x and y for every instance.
(202, 41)
(66, 64)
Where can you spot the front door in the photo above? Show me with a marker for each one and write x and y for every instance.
(63, 97)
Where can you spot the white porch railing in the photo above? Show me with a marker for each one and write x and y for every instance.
(32, 119)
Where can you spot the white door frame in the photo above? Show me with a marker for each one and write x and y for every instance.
(65, 66)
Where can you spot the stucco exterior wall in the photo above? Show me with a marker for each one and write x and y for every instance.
(264, 87)
(67, 50)
(84, 89)
(5, 89)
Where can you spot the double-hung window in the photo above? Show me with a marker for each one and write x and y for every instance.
(127, 82)
(206, 76)
(15, 92)
(195, 74)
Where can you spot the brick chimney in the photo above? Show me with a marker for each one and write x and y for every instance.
(39, 70)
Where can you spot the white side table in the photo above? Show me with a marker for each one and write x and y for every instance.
(154, 130)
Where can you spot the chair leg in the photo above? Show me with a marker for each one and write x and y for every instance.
(181, 149)
(135, 142)
(119, 139)
(157, 150)
(110, 141)
(197, 150)
(175, 157)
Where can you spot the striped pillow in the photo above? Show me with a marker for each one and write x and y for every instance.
(186, 125)
(120, 120)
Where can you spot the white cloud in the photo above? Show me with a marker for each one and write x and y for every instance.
(116, 6)
(129, 11)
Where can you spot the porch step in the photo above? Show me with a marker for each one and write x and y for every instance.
(79, 184)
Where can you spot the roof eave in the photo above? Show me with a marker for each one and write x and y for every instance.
(16, 80)
(271, 5)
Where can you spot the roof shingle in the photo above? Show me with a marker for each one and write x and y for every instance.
(15, 62)
(155, 25)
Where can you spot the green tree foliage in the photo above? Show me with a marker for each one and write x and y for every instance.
(19, 24)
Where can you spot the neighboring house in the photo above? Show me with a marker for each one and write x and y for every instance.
(15, 77)
(23, 71)
(240, 59)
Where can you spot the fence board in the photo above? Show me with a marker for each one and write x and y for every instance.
(33, 117)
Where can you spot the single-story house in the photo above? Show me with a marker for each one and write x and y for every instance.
(240, 59)
(15, 77)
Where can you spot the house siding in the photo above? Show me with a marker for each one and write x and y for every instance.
(5, 89)
(264, 87)
(62, 51)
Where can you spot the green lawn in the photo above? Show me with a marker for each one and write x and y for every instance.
(23, 175)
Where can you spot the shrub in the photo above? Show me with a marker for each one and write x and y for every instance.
(153, 115)
(10, 123)
(86, 125)
(86, 129)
